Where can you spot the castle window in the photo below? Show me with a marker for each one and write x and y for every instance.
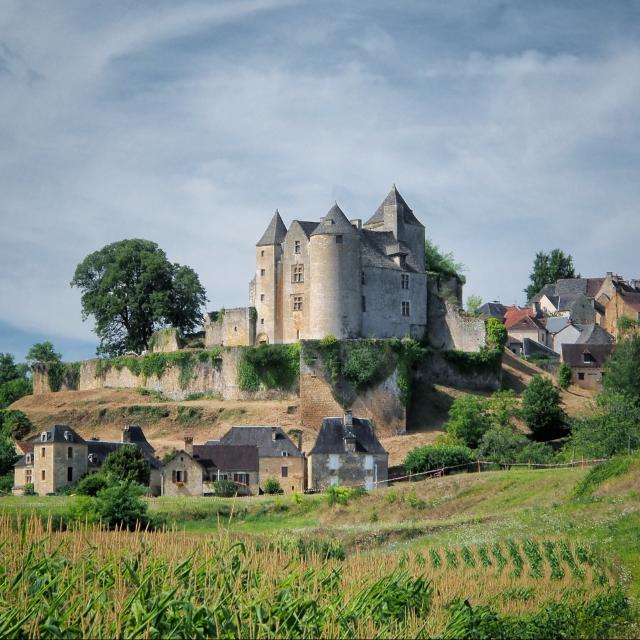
(43, 452)
(28, 476)
(262, 297)
(262, 253)
(69, 474)
(364, 304)
(406, 309)
(43, 474)
(284, 472)
(261, 320)
(262, 272)
(362, 277)
(296, 246)
(297, 273)
(338, 239)
(69, 452)
(297, 303)
(405, 280)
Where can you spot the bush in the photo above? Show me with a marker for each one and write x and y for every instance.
(502, 444)
(15, 423)
(541, 408)
(14, 390)
(92, 484)
(564, 375)
(468, 420)
(496, 335)
(272, 486)
(8, 456)
(122, 505)
(337, 494)
(617, 466)
(128, 463)
(29, 489)
(6, 483)
(225, 488)
(269, 366)
(428, 458)
(621, 373)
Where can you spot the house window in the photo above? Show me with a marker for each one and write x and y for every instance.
(28, 476)
(262, 253)
(28, 459)
(69, 452)
(285, 454)
(69, 474)
(587, 357)
(285, 472)
(262, 272)
(179, 475)
(43, 452)
(338, 239)
(261, 320)
(406, 309)
(297, 303)
(296, 246)
(241, 478)
(43, 474)
(364, 304)
(404, 280)
(297, 273)
(581, 376)
(362, 278)
(262, 297)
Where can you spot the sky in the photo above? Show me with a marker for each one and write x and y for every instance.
(508, 127)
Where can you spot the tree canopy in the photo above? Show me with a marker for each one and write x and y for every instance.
(14, 380)
(131, 290)
(127, 463)
(547, 268)
(541, 408)
(43, 352)
(621, 372)
(442, 263)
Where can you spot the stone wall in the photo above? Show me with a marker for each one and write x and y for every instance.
(231, 328)
(40, 380)
(381, 404)
(165, 341)
(350, 469)
(436, 369)
(296, 472)
(447, 326)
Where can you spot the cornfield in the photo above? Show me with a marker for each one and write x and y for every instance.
(89, 582)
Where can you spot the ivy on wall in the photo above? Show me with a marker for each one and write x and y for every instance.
(269, 366)
(63, 373)
(155, 364)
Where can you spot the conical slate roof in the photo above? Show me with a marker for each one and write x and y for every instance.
(394, 198)
(335, 223)
(275, 233)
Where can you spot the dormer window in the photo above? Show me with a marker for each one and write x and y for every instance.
(587, 358)
(28, 458)
(67, 436)
(285, 454)
(43, 436)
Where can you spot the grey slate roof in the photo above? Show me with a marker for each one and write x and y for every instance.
(373, 250)
(332, 432)
(594, 334)
(556, 324)
(334, 223)
(271, 441)
(492, 310)
(307, 226)
(573, 355)
(531, 347)
(57, 432)
(275, 232)
(100, 449)
(394, 198)
(227, 457)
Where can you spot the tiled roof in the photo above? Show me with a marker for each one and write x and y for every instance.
(274, 233)
(524, 323)
(227, 457)
(556, 324)
(307, 226)
(26, 446)
(632, 300)
(394, 198)
(492, 310)
(373, 250)
(573, 355)
(514, 315)
(531, 347)
(334, 223)
(331, 437)
(271, 441)
(594, 334)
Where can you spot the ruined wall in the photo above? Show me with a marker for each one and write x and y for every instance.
(164, 341)
(231, 328)
(380, 404)
(436, 369)
(40, 380)
(447, 326)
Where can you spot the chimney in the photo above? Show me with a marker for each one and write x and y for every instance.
(126, 435)
(274, 433)
(356, 223)
(348, 419)
(300, 440)
(188, 445)
(349, 436)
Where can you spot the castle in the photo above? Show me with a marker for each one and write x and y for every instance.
(335, 277)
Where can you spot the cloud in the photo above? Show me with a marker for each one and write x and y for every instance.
(189, 123)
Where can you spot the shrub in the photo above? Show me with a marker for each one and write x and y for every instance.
(8, 456)
(269, 366)
(564, 375)
(541, 407)
(128, 463)
(502, 444)
(15, 423)
(92, 483)
(496, 335)
(428, 458)
(6, 483)
(272, 486)
(225, 488)
(121, 505)
(337, 494)
(617, 466)
(29, 489)
(468, 420)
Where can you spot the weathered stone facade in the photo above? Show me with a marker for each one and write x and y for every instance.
(437, 369)
(231, 328)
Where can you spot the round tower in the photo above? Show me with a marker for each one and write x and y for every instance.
(336, 289)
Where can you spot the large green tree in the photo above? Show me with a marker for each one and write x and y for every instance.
(14, 381)
(621, 373)
(547, 268)
(131, 290)
(43, 352)
(127, 463)
(541, 408)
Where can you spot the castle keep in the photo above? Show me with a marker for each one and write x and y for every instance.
(335, 277)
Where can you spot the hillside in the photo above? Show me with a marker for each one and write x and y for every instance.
(103, 412)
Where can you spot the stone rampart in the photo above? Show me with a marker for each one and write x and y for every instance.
(437, 369)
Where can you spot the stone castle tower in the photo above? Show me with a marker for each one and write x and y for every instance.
(341, 277)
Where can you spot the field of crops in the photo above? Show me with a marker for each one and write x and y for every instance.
(93, 583)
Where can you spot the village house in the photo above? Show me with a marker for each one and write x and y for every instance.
(622, 304)
(194, 470)
(587, 362)
(347, 452)
(59, 457)
(279, 458)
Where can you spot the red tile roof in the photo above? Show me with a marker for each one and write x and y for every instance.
(514, 315)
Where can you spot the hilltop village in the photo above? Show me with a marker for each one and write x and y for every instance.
(348, 322)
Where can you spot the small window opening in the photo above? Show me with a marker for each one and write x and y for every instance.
(338, 239)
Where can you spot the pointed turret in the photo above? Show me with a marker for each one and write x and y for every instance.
(396, 203)
(334, 223)
(275, 232)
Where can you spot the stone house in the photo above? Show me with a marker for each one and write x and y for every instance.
(59, 457)
(587, 362)
(193, 471)
(521, 326)
(623, 304)
(347, 452)
(279, 458)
